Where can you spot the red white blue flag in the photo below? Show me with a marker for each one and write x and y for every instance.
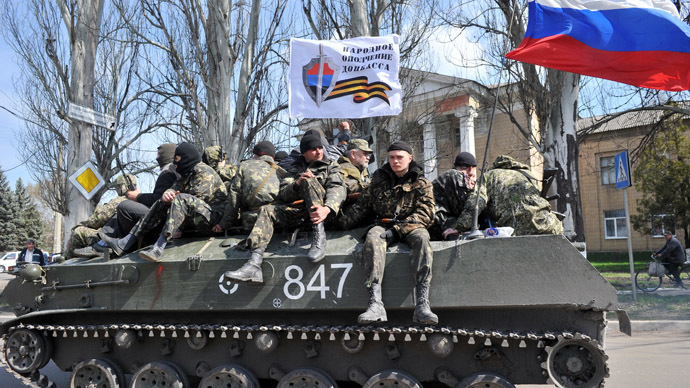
(637, 42)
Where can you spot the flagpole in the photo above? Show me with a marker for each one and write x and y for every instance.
(474, 232)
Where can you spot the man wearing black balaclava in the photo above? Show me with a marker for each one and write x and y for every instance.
(313, 178)
(133, 209)
(197, 197)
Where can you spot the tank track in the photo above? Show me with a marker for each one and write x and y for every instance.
(305, 332)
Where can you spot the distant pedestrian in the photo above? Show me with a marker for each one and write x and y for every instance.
(31, 254)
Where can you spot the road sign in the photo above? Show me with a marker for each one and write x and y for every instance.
(90, 116)
(87, 180)
(622, 165)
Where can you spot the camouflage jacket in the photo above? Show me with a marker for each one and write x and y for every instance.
(450, 194)
(354, 179)
(102, 213)
(205, 184)
(509, 198)
(256, 184)
(409, 200)
(326, 172)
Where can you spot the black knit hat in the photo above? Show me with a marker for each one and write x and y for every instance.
(280, 155)
(400, 145)
(264, 148)
(310, 140)
(465, 159)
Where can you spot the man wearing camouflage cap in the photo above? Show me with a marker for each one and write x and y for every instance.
(509, 197)
(401, 199)
(214, 157)
(256, 184)
(313, 178)
(451, 190)
(353, 166)
(85, 233)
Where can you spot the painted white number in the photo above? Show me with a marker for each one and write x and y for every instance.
(316, 283)
(347, 267)
(291, 280)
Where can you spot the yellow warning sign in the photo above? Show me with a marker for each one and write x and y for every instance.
(88, 180)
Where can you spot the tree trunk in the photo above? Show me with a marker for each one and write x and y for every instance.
(220, 73)
(238, 141)
(561, 149)
(82, 62)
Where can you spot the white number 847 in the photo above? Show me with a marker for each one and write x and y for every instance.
(316, 283)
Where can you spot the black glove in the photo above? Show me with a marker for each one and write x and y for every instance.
(391, 236)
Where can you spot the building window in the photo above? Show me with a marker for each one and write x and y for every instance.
(456, 143)
(661, 223)
(614, 224)
(608, 170)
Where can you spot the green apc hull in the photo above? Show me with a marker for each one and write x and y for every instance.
(503, 304)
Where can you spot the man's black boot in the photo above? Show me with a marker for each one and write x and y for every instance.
(422, 312)
(318, 243)
(88, 252)
(251, 270)
(375, 312)
(154, 254)
(118, 246)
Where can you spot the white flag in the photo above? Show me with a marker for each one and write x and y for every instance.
(351, 78)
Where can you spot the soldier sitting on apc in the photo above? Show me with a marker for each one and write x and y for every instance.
(256, 184)
(314, 179)
(354, 165)
(509, 197)
(197, 199)
(214, 157)
(451, 190)
(403, 200)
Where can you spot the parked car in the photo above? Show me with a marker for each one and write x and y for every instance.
(9, 260)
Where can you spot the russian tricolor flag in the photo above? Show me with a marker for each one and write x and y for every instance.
(637, 42)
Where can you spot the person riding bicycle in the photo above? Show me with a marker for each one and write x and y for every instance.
(672, 257)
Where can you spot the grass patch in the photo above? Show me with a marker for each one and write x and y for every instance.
(652, 306)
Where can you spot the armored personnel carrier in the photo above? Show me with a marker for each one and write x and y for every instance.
(515, 310)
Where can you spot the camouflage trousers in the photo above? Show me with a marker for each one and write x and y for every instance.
(184, 212)
(542, 222)
(285, 216)
(83, 236)
(421, 255)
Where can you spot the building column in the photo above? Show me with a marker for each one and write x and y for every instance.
(466, 114)
(430, 151)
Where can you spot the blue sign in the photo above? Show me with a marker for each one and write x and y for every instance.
(622, 164)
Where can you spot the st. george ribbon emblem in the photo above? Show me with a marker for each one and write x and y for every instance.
(320, 76)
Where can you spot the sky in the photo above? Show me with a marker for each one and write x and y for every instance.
(9, 124)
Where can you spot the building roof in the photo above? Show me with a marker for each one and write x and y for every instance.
(626, 120)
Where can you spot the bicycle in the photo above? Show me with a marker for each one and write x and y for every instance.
(650, 281)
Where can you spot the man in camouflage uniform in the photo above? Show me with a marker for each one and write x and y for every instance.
(399, 192)
(509, 197)
(256, 184)
(195, 201)
(313, 178)
(85, 233)
(214, 157)
(353, 166)
(451, 190)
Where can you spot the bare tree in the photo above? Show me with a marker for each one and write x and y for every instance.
(70, 52)
(218, 67)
